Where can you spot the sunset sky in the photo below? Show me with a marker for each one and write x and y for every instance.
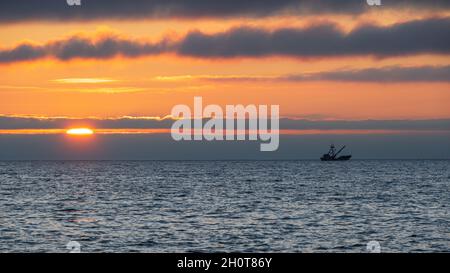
(341, 71)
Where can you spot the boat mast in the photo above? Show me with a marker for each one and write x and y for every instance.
(332, 151)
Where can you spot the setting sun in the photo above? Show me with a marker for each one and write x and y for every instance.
(80, 131)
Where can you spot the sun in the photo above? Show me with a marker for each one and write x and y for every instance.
(80, 132)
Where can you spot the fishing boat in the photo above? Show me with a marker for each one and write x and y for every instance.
(332, 155)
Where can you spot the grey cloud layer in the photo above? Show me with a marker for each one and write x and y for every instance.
(11, 122)
(423, 36)
(391, 74)
(415, 37)
(78, 47)
(23, 10)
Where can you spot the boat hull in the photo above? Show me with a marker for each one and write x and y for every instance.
(341, 158)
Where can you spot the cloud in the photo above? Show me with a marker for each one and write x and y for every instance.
(390, 74)
(25, 10)
(86, 48)
(128, 122)
(387, 74)
(426, 125)
(414, 37)
(23, 52)
(107, 47)
(29, 122)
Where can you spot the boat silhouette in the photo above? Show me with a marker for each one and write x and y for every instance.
(332, 155)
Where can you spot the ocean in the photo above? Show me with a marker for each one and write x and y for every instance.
(225, 206)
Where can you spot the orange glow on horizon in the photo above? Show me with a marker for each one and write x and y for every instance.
(125, 131)
(80, 132)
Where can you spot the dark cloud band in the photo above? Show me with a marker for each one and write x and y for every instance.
(415, 37)
(391, 74)
(84, 48)
(16, 123)
(388, 75)
(25, 10)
